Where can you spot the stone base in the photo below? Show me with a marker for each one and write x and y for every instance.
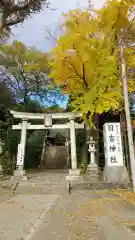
(74, 172)
(116, 175)
(19, 175)
(93, 167)
(92, 172)
(74, 175)
(1, 168)
(1, 171)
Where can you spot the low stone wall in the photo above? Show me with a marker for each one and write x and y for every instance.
(56, 157)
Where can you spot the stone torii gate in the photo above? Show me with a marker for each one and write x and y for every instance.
(47, 124)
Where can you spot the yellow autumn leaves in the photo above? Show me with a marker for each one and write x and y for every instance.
(86, 61)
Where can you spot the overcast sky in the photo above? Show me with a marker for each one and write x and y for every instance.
(32, 31)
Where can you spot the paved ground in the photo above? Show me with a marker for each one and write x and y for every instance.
(42, 209)
(23, 212)
(94, 215)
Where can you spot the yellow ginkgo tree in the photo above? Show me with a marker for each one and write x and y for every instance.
(86, 62)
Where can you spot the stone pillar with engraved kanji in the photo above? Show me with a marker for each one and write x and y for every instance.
(115, 170)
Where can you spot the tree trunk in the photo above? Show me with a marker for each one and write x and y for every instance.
(4, 31)
(68, 149)
(26, 101)
(124, 138)
(97, 138)
(42, 161)
(127, 113)
(1, 26)
(84, 156)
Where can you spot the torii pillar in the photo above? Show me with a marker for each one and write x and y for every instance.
(20, 173)
(74, 172)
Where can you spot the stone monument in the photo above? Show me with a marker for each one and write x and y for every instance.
(115, 170)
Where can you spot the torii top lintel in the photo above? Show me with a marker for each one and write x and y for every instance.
(25, 115)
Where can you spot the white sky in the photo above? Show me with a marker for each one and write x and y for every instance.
(32, 31)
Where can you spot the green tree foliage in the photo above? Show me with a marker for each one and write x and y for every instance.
(8, 139)
(34, 149)
(6, 99)
(28, 69)
(24, 76)
(86, 61)
(6, 102)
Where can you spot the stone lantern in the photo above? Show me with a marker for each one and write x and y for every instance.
(92, 167)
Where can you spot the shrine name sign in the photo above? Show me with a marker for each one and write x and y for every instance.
(113, 144)
(20, 155)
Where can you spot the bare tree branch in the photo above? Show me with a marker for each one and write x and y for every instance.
(13, 12)
(52, 35)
